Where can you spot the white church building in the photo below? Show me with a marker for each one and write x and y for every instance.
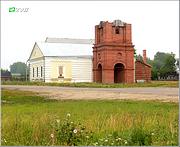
(61, 60)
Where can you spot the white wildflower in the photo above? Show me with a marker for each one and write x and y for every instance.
(5, 140)
(119, 138)
(68, 115)
(75, 131)
(57, 120)
(152, 133)
(52, 135)
(106, 140)
(125, 142)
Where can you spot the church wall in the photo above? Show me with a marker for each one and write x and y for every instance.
(37, 64)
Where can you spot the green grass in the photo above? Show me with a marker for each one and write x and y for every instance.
(98, 85)
(28, 119)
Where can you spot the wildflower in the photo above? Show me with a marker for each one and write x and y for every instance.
(68, 115)
(71, 122)
(106, 140)
(125, 142)
(5, 140)
(58, 121)
(118, 139)
(75, 131)
(52, 135)
(152, 133)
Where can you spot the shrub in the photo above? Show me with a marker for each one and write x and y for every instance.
(140, 137)
(71, 133)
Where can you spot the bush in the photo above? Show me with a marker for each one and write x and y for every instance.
(71, 134)
(140, 137)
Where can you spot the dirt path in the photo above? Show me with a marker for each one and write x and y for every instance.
(52, 92)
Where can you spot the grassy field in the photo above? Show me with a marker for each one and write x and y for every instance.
(28, 119)
(98, 85)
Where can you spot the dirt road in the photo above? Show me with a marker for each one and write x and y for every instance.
(52, 92)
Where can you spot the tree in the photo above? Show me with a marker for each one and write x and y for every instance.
(163, 64)
(18, 67)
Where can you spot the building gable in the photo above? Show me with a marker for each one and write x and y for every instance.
(36, 52)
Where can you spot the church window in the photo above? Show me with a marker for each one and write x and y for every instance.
(117, 30)
(60, 71)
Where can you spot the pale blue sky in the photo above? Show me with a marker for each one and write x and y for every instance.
(155, 25)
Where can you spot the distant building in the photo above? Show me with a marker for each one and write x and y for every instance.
(142, 69)
(107, 59)
(5, 75)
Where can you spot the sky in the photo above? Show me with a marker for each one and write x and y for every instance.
(155, 24)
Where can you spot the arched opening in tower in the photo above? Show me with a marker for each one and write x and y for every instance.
(119, 73)
(99, 74)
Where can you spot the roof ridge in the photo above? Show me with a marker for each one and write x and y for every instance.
(69, 40)
(144, 63)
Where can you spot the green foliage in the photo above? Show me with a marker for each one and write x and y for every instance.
(135, 53)
(18, 67)
(140, 137)
(21, 98)
(39, 121)
(72, 133)
(163, 64)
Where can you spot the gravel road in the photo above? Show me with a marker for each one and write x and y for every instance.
(60, 93)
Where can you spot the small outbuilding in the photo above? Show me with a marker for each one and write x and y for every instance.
(142, 69)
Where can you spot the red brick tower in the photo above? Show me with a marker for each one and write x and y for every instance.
(113, 53)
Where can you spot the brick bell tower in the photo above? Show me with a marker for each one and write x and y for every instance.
(113, 53)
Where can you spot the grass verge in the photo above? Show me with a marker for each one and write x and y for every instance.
(98, 85)
(28, 119)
